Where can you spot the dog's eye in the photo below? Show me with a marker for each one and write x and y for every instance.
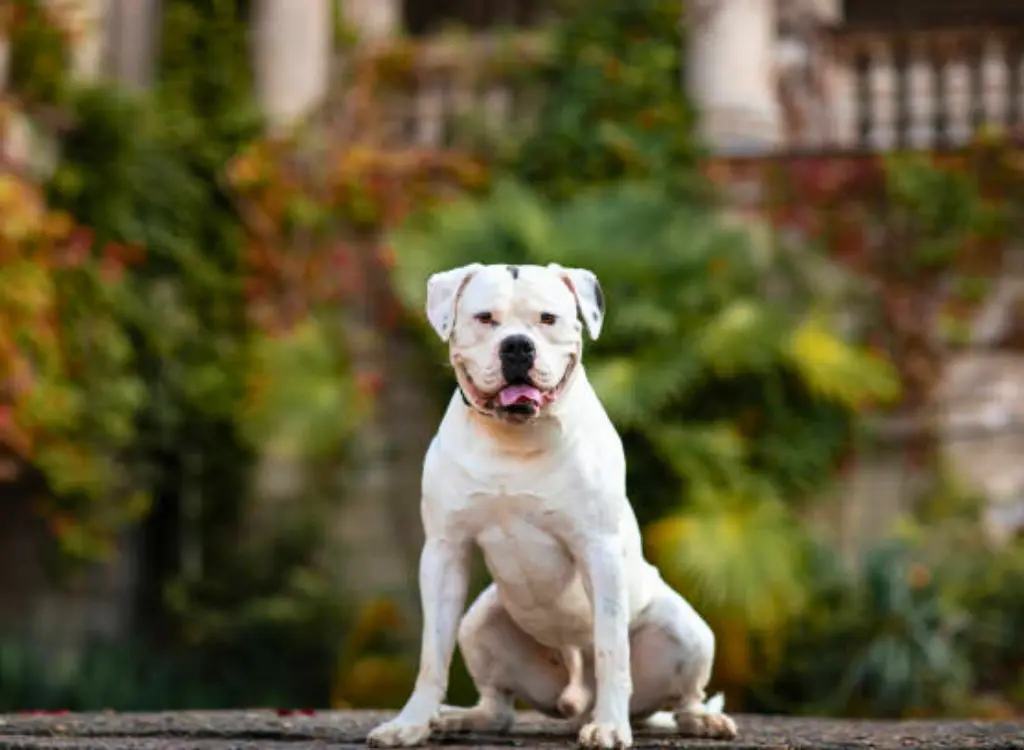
(548, 319)
(485, 317)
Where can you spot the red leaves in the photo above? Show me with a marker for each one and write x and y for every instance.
(873, 215)
(75, 250)
(295, 711)
(370, 382)
(328, 252)
(41, 250)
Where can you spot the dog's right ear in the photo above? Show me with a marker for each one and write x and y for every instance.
(443, 291)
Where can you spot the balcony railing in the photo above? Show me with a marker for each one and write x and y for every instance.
(923, 89)
(880, 90)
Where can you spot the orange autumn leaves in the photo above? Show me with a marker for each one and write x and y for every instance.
(315, 220)
(55, 343)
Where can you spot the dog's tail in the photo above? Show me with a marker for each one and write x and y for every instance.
(665, 721)
(715, 704)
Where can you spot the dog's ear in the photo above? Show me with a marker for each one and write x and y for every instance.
(589, 297)
(443, 291)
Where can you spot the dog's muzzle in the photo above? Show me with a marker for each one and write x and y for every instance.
(519, 397)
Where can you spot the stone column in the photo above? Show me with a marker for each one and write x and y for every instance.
(88, 20)
(293, 47)
(132, 41)
(730, 74)
(372, 19)
(5, 58)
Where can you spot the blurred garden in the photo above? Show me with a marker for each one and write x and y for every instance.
(186, 301)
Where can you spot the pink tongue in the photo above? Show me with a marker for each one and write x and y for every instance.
(515, 394)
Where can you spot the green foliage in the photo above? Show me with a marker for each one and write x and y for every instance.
(935, 211)
(105, 675)
(302, 399)
(994, 595)
(39, 51)
(763, 586)
(70, 389)
(983, 580)
(614, 108)
(127, 173)
(184, 391)
(882, 643)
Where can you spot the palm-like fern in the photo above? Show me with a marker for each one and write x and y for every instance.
(879, 643)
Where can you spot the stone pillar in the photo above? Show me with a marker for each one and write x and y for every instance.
(293, 47)
(372, 19)
(5, 58)
(731, 76)
(88, 20)
(132, 41)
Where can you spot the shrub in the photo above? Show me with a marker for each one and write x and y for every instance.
(614, 108)
(882, 643)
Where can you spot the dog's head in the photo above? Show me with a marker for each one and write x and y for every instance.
(514, 332)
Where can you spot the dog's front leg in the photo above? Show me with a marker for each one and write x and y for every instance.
(444, 576)
(609, 727)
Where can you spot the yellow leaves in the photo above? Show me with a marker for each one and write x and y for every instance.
(742, 336)
(836, 370)
(246, 171)
(366, 679)
(378, 615)
(374, 682)
(21, 210)
(60, 349)
(736, 558)
(26, 293)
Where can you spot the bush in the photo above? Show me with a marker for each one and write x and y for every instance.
(142, 313)
(614, 107)
(70, 389)
(880, 643)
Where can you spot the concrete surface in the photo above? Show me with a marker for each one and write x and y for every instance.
(272, 730)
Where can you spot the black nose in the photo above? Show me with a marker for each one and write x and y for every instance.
(517, 354)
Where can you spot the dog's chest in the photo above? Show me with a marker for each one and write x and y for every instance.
(523, 551)
(522, 538)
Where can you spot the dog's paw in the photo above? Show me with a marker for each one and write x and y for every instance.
(710, 726)
(476, 719)
(398, 733)
(599, 734)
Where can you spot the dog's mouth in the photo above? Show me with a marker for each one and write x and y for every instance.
(516, 401)
(521, 395)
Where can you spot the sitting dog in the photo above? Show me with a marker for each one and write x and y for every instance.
(527, 465)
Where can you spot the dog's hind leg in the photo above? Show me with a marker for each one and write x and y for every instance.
(505, 663)
(672, 652)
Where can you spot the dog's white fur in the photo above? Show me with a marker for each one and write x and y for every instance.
(576, 623)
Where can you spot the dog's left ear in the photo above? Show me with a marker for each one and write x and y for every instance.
(443, 291)
(589, 297)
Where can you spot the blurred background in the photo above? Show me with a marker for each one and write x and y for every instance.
(217, 385)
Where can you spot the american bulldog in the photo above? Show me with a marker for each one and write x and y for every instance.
(527, 465)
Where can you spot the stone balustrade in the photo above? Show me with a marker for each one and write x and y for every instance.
(924, 89)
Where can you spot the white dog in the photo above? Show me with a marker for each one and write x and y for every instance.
(527, 465)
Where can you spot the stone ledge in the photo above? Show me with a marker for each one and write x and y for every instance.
(248, 730)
